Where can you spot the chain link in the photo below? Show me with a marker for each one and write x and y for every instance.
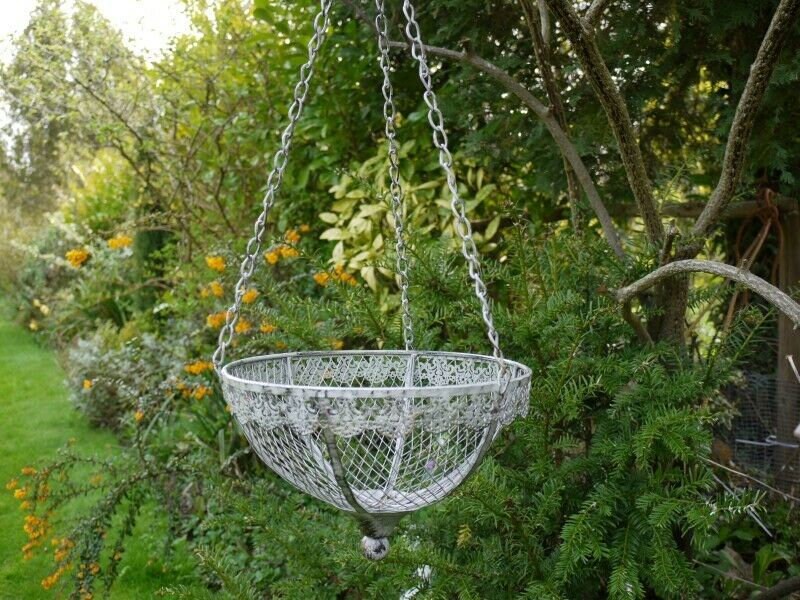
(395, 189)
(321, 22)
(461, 223)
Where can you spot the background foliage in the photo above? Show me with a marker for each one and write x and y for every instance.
(131, 187)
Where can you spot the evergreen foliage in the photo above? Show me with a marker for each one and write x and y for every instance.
(605, 490)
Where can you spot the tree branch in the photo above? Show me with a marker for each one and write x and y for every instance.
(594, 13)
(781, 590)
(746, 111)
(541, 49)
(585, 46)
(782, 301)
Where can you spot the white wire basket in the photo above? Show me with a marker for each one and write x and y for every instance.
(377, 433)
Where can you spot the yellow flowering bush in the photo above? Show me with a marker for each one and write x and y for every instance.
(118, 242)
(274, 255)
(288, 251)
(243, 326)
(201, 391)
(292, 236)
(77, 256)
(198, 367)
(215, 288)
(216, 320)
(343, 276)
(215, 263)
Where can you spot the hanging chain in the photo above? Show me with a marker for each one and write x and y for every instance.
(461, 223)
(274, 182)
(396, 191)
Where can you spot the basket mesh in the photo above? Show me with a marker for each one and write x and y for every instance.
(406, 427)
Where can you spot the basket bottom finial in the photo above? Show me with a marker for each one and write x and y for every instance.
(376, 529)
(375, 548)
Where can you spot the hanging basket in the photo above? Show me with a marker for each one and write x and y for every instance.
(375, 433)
(378, 434)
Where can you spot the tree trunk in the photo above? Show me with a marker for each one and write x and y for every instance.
(672, 299)
(788, 398)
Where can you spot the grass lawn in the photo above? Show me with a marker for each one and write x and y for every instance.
(36, 418)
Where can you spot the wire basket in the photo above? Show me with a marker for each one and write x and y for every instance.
(373, 432)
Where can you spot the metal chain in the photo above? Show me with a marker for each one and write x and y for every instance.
(321, 22)
(461, 223)
(396, 191)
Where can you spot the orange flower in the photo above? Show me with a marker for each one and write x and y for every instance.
(343, 275)
(322, 278)
(288, 252)
(292, 236)
(28, 471)
(87, 384)
(337, 344)
(77, 256)
(120, 241)
(201, 391)
(243, 326)
(305, 228)
(217, 263)
(138, 416)
(267, 327)
(21, 493)
(215, 288)
(250, 296)
(198, 367)
(12, 484)
(272, 257)
(216, 320)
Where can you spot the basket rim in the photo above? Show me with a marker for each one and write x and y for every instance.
(225, 375)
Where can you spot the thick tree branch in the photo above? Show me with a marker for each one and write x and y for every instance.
(781, 590)
(780, 300)
(585, 47)
(746, 111)
(594, 13)
(534, 16)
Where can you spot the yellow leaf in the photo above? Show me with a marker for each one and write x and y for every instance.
(333, 234)
(328, 217)
(368, 273)
(492, 228)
